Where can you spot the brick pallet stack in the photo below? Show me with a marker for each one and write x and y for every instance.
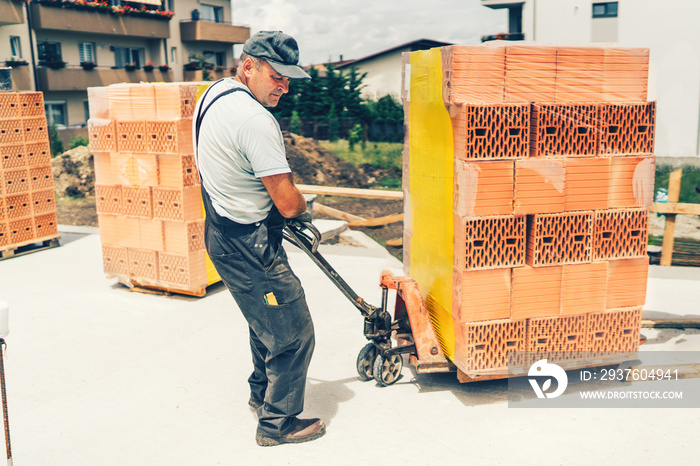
(147, 190)
(552, 177)
(27, 201)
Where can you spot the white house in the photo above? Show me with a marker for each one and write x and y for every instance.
(671, 31)
(384, 68)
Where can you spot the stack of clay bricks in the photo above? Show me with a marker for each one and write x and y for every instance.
(554, 171)
(27, 202)
(147, 189)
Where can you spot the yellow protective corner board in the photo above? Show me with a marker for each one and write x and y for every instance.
(431, 172)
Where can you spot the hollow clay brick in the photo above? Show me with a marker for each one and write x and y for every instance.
(584, 288)
(115, 260)
(627, 128)
(490, 242)
(142, 264)
(12, 156)
(539, 186)
(43, 201)
(631, 182)
(627, 282)
(187, 271)
(482, 295)
(38, 154)
(587, 185)
(536, 292)
(45, 226)
(484, 188)
(563, 130)
(557, 239)
(493, 131)
(620, 233)
(481, 347)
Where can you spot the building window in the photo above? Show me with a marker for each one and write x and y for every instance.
(173, 55)
(211, 13)
(86, 107)
(86, 50)
(605, 10)
(128, 55)
(49, 52)
(55, 112)
(215, 58)
(15, 47)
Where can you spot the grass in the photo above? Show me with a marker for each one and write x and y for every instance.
(690, 179)
(378, 154)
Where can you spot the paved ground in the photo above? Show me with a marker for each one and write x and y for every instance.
(98, 375)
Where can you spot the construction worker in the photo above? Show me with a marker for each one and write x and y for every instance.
(248, 195)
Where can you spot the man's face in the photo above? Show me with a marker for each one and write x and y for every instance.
(267, 85)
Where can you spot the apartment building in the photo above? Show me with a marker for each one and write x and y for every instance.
(668, 29)
(63, 47)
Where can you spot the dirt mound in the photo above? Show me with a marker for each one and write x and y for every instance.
(312, 164)
(74, 173)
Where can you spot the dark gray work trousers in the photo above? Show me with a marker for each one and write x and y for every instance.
(252, 263)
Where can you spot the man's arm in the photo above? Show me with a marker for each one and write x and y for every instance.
(285, 195)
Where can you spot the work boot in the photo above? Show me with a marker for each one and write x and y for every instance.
(254, 405)
(305, 431)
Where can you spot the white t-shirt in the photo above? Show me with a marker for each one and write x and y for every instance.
(239, 142)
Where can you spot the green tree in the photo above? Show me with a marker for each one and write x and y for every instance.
(78, 141)
(56, 142)
(295, 124)
(333, 123)
(357, 134)
(353, 102)
(386, 110)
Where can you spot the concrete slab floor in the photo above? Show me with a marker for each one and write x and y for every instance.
(98, 375)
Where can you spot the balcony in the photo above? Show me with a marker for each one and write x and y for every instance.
(97, 22)
(11, 12)
(21, 78)
(209, 31)
(496, 4)
(78, 79)
(198, 75)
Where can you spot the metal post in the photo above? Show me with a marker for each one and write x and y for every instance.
(4, 403)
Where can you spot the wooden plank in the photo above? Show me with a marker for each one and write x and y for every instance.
(674, 189)
(350, 192)
(27, 247)
(675, 208)
(396, 242)
(335, 213)
(376, 222)
(671, 323)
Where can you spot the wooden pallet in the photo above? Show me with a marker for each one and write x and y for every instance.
(148, 287)
(685, 252)
(27, 247)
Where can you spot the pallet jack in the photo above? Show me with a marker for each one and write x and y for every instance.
(410, 326)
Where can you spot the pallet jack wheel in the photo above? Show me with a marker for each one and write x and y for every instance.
(365, 362)
(387, 370)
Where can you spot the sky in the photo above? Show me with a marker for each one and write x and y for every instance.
(327, 29)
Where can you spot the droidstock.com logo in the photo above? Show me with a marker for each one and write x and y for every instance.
(543, 369)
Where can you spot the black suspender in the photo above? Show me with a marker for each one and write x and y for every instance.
(212, 215)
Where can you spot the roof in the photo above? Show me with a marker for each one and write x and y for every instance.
(420, 44)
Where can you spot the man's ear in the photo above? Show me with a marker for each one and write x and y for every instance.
(247, 67)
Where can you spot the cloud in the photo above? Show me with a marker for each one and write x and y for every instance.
(326, 29)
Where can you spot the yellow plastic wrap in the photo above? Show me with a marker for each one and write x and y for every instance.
(431, 165)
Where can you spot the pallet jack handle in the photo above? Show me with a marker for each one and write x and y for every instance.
(295, 231)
